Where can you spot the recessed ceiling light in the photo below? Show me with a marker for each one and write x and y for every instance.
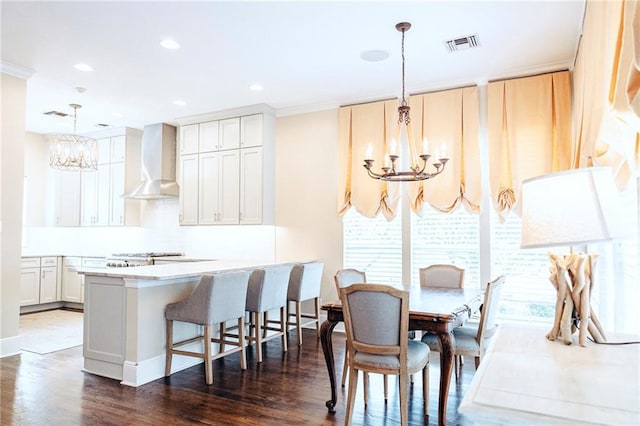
(374, 55)
(83, 67)
(169, 44)
(256, 87)
(179, 102)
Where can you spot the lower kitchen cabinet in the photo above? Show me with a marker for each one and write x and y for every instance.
(39, 280)
(72, 280)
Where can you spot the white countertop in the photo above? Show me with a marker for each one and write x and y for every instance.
(175, 270)
(525, 379)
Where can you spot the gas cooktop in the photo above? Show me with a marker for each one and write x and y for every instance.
(148, 254)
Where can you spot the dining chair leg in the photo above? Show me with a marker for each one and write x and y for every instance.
(425, 388)
(351, 394)
(243, 346)
(345, 366)
(208, 362)
(385, 381)
(169, 349)
(404, 405)
(283, 328)
(366, 387)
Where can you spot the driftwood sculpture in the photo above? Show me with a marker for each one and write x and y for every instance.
(572, 277)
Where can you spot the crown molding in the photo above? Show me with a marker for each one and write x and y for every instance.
(16, 70)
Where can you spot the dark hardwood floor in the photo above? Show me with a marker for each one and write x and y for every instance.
(286, 389)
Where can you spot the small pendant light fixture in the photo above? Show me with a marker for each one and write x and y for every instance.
(416, 172)
(73, 152)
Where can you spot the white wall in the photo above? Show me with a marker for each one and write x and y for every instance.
(11, 178)
(308, 226)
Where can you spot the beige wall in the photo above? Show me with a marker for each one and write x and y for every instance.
(307, 224)
(11, 178)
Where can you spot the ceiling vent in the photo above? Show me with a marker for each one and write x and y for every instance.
(462, 43)
(56, 114)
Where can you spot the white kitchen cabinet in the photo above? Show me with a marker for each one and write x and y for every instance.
(29, 286)
(67, 201)
(94, 198)
(231, 180)
(218, 188)
(115, 190)
(189, 139)
(209, 137)
(38, 280)
(229, 134)
(71, 280)
(251, 130)
(251, 186)
(48, 284)
(118, 170)
(189, 189)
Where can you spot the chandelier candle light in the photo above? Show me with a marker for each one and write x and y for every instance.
(73, 152)
(416, 172)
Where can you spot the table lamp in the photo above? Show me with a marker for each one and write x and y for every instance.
(568, 208)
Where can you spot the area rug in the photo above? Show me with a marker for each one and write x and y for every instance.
(50, 331)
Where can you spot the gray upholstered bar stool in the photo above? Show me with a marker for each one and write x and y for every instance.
(304, 284)
(267, 291)
(216, 299)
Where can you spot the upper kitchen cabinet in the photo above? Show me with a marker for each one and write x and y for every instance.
(94, 198)
(251, 130)
(230, 180)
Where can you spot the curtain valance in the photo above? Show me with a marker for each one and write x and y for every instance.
(447, 120)
(529, 130)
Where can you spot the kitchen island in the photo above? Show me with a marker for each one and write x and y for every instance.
(124, 325)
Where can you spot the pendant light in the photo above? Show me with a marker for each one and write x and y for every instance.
(72, 151)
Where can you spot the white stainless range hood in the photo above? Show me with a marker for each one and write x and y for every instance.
(158, 164)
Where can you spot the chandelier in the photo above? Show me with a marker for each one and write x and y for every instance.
(73, 152)
(417, 172)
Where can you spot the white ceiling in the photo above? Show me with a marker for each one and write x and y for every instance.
(305, 54)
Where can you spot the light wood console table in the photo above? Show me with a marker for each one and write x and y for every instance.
(526, 379)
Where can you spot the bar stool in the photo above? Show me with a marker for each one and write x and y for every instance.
(304, 284)
(267, 290)
(216, 299)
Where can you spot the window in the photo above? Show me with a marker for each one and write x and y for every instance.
(376, 247)
(528, 294)
(446, 238)
(373, 246)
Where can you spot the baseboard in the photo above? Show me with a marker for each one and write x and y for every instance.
(137, 374)
(9, 346)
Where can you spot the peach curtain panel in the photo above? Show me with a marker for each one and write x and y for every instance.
(448, 119)
(529, 131)
(607, 89)
(362, 125)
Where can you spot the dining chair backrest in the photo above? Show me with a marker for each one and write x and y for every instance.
(376, 320)
(444, 276)
(487, 326)
(347, 276)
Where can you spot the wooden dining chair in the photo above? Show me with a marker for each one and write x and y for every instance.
(344, 278)
(444, 276)
(216, 299)
(473, 339)
(376, 318)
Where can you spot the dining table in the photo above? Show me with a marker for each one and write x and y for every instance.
(432, 310)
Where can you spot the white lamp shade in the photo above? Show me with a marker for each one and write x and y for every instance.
(568, 208)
